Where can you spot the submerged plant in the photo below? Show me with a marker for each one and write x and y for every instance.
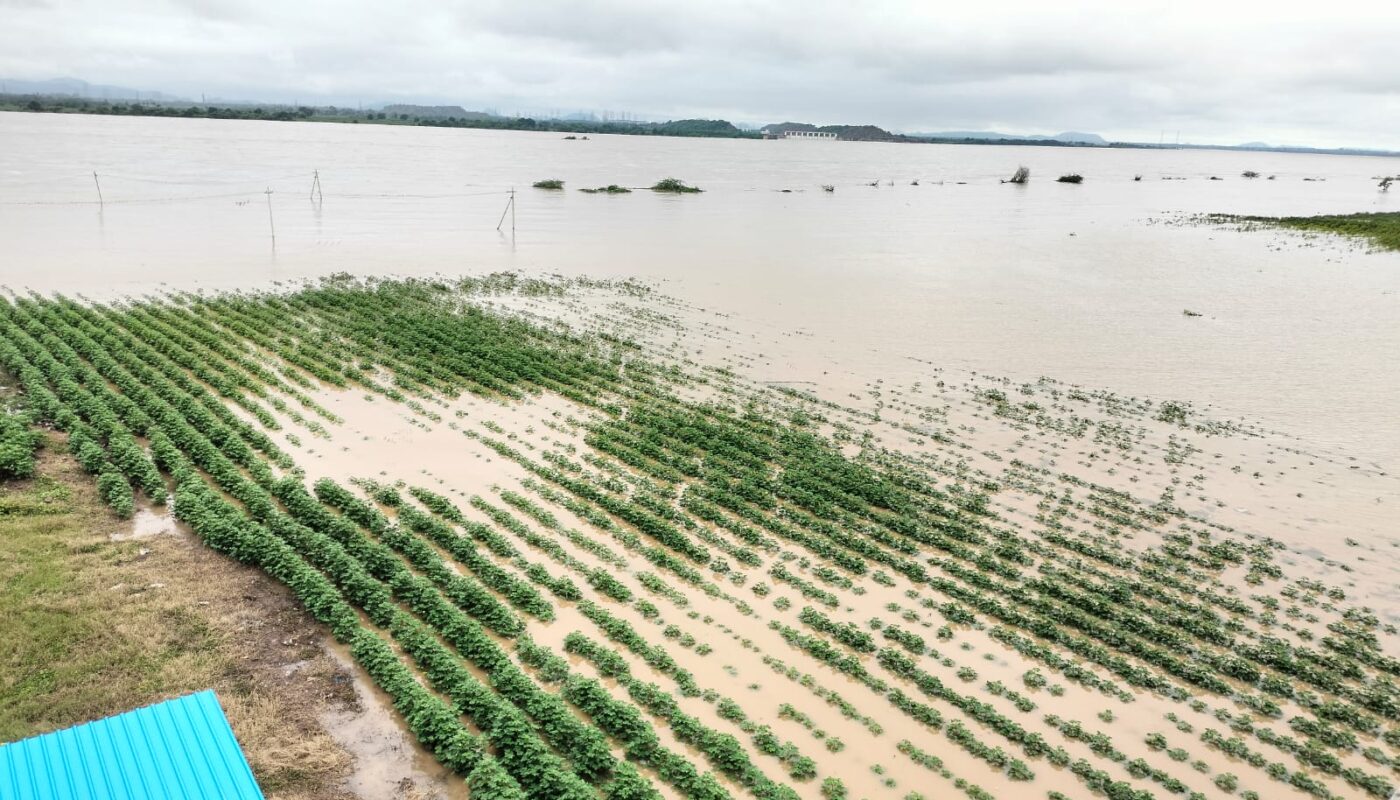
(1073, 177)
(676, 186)
(1021, 175)
(552, 183)
(611, 188)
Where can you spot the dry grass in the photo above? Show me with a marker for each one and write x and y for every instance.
(94, 627)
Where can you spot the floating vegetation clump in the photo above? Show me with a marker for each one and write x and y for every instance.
(675, 186)
(1021, 175)
(552, 183)
(611, 188)
(1071, 178)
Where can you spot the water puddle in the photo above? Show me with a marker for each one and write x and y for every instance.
(147, 524)
(387, 761)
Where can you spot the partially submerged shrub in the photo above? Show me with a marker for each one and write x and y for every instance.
(611, 188)
(1073, 177)
(1022, 175)
(552, 183)
(674, 185)
(1249, 173)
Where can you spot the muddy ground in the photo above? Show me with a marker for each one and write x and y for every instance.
(101, 615)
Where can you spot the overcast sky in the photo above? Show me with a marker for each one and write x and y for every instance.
(1220, 71)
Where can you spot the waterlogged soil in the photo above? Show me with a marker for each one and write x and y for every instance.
(1312, 501)
(1120, 471)
(879, 313)
(148, 522)
(1330, 514)
(387, 760)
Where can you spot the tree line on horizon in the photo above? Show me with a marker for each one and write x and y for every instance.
(706, 128)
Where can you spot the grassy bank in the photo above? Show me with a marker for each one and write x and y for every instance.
(1382, 229)
(93, 627)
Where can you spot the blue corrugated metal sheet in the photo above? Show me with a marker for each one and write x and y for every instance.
(181, 749)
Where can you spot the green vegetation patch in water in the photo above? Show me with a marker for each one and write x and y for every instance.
(675, 186)
(1383, 229)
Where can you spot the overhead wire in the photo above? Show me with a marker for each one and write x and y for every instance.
(224, 195)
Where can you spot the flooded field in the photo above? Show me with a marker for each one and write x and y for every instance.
(898, 491)
(1080, 283)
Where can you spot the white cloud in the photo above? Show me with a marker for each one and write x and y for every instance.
(1219, 71)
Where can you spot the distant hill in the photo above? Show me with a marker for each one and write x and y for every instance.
(75, 96)
(697, 127)
(73, 87)
(850, 133)
(871, 133)
(1068, 137)
(434, 112)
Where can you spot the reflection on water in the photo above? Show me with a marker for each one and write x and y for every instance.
(1069, 281)
(148, 522)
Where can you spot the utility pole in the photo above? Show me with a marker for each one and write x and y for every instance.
(510, 208)
(272, 228)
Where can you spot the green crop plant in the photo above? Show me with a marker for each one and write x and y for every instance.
(184, 390)
(18, 445)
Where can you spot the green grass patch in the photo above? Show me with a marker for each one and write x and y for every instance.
(63, 660)
(1382, 229)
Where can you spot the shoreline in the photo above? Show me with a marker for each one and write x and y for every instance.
(332, 114)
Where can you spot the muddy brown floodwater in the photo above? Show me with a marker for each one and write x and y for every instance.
(387, 761)
(1023, 338)
(1076, 282)
(1322, 507)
